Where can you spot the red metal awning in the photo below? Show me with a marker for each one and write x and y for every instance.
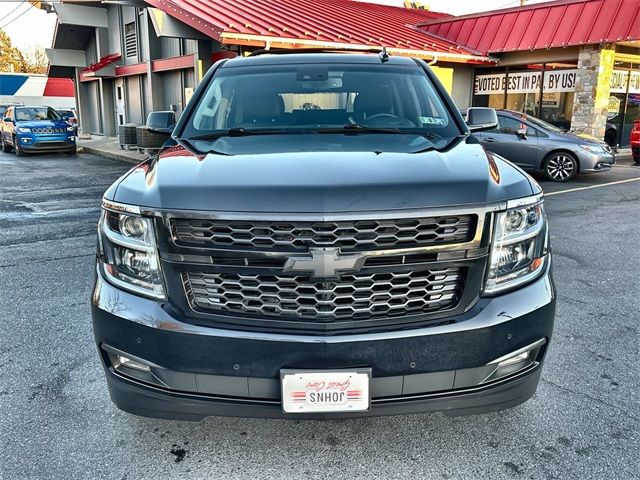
(96, 70)
(317, 23)
(543, 25)
(103, 62)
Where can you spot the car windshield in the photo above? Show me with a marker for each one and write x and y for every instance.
(338, 99)
(28, 114)
(66, 113)
(544, 125)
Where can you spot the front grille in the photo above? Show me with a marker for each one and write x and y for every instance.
(347, 235)
(48, 130)
(358, 296)
(49, 144)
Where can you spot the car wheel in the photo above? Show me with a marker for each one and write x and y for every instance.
(610, 138)
(561, 167)
(5, 148)
(72, 152)
(18, 148)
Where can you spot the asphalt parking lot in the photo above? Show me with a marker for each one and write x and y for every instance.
(56, 419)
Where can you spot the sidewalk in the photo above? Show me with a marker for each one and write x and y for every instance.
(110, 148)
(624, 157)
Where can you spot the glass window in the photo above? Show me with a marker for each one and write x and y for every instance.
(624, 107)
(551, 101)
(27, 114)
(509, 125)
(524, 102)
(632, 114)
(321, 96)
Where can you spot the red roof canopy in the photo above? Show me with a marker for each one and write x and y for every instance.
(543, 25)
(321, 23)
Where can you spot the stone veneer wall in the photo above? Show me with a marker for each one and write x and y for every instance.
(591, 100)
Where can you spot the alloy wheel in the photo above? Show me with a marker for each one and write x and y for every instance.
(561, 168)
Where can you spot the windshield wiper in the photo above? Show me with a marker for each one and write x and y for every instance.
(239, 132)
(356, 128)
(348, 129)
(445, 147)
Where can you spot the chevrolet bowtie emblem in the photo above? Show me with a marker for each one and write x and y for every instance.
(325, 263)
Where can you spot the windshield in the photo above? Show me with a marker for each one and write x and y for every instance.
(322, 98)
(544, 125)
(28, 114)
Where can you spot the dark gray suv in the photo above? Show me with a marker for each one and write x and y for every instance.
(322, 238)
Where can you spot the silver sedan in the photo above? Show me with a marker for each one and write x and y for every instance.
(536, 145)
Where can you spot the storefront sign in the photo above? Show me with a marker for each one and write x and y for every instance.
(526, 82)
(619, 81)
(613, 108)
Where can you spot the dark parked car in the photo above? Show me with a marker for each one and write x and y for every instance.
(611, 134)
(365, 257)
(70, 117)
(28, 129)
(536, 145)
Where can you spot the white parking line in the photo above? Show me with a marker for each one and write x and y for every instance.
(592, 186)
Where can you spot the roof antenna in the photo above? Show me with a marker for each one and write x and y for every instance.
(384, 56)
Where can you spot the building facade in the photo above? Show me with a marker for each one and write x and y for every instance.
(573, 63)
(126, 61)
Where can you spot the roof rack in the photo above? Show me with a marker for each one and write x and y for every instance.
(286, 51)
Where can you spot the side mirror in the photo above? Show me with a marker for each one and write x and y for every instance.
(481, 118)
(7, 119)
(522, 133)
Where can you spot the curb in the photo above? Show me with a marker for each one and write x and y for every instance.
(111, 155)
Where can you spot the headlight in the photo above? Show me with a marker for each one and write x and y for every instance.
(128, 251)
(594, 148)
(519, 246)
(70, 129)
(23, 130)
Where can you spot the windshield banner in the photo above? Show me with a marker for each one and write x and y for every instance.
(526, 82)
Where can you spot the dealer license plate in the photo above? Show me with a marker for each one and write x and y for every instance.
(325, 391)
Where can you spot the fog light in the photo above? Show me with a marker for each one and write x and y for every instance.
(122, 361)
(515, 361)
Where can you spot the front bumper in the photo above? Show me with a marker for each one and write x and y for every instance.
(47, 142)
(203, 371)
(591, 162)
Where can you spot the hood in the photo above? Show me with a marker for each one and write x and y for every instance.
(320, 182)
(582, 138)
(43, 124)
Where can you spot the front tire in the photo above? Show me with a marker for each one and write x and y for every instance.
(5, 148)
(610, 138)
(18, 148)
(561, 167)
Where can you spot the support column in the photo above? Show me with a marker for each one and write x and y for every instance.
(591, 99)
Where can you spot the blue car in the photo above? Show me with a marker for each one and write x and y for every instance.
(36, 129)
